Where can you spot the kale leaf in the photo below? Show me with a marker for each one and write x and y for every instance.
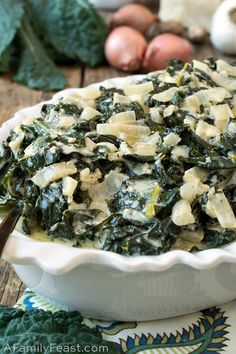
(230, 192)
(134, 193)
(21, 329)
(36, 68)
(5, 59)
(50, 206)
(174, 66)
(132, 237)
(11, 13)
(72, 27)
(64, 227)
(63, 108)
(47, 31)
(43, 157)
(139, 158)
(215, 238)
(168, 174)
(228, 141)
(99, 138)
(104, 103)
(203, 154)
(166, 202)
(204, 77)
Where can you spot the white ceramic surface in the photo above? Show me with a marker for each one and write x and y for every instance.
(107, 285)
(110, 4)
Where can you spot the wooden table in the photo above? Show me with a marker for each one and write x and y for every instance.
(14, 97)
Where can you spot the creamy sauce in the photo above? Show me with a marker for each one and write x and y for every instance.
(37, 234)
(40, 235)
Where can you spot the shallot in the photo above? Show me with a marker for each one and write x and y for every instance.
(165, 47)
(125, 48)
(171, 27)
(197, 33)
(136, 16)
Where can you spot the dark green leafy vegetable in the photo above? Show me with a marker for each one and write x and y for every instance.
(127, 237)
(47, 31)
(155, 177)
(204, 77)
(72, 27)
(211, 63)
(134, 193)
(166, 202)
(105, 138)
(11, 13)
(5, 59)
(228, 141)
(50, 206)
(215, 238)
(65, 226)
(212, 163)
(139, 158)
(177, 99)
(203, 154)
(20, 330)
(36, 68)
(230, 192)
(174, 65)
(168, 175)
(132, 106)
(104, 103)
(43, 157)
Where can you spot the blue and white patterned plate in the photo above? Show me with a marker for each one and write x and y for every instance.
(209, 331)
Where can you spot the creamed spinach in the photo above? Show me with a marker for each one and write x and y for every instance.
(137, 170)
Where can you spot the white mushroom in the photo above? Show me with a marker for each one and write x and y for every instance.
(223, 29)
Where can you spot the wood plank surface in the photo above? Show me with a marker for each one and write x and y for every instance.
(14, 97)
(203, 51)
(102, 73)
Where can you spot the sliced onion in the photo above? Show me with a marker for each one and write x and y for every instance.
(53, 172)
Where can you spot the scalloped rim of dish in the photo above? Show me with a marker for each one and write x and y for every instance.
(58, 259)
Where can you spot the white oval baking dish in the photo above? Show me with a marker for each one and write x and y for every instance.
(106, 285)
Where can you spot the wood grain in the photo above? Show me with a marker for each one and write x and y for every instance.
(203, 51)
(11, 287)
(99, 74)
(14, 96)
(228, 58)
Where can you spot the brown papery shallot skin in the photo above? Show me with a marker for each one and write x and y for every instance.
(136, 16)
(165, 47)
(125, 48)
